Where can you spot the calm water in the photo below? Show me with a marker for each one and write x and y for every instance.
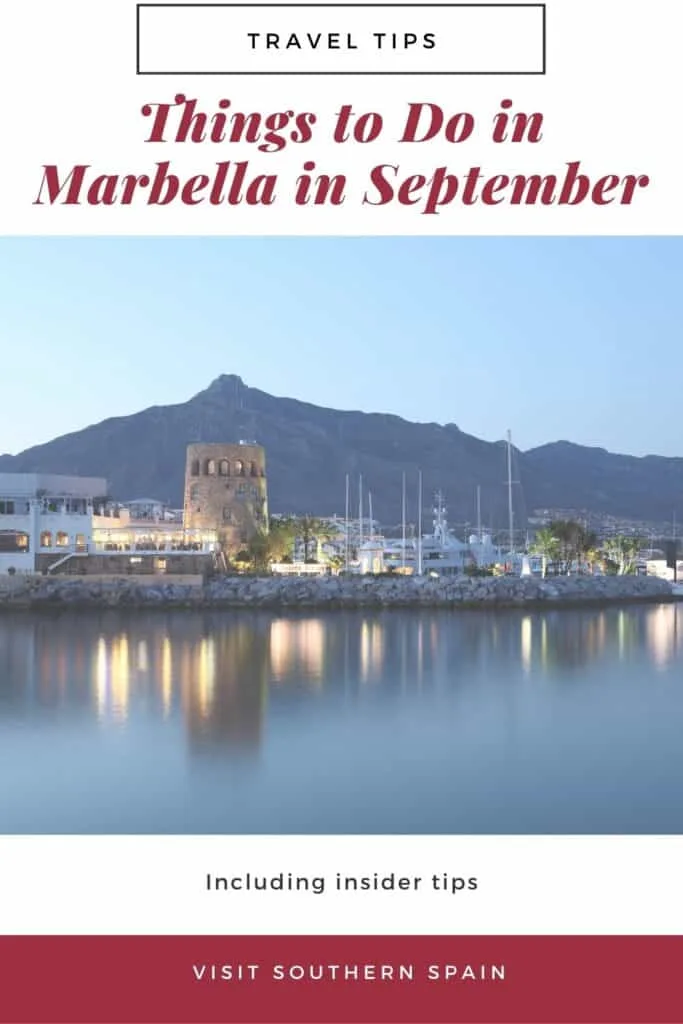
(347, 722)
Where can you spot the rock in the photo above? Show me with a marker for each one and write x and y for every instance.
(329, 591)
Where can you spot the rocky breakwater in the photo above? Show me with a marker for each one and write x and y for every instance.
(334, 592)
(62, 592)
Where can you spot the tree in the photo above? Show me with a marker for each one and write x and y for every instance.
(258, 551)
(623, 552)
(594, 556)
(281, 538)
(588, 549)
(273, 545)
(567, 533)
(567, 542)
(313, 530)
(547, 545)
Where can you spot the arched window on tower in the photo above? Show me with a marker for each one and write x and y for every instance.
(224, 467)
(195, 467)
(210, 467)
(239, 467)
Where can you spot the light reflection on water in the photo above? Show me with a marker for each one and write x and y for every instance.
(434, 722)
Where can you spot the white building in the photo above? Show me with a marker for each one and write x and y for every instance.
(116, 530)
(371, 556)
(50, 523)
(44, 518)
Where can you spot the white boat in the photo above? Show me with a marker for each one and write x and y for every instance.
(438, 553)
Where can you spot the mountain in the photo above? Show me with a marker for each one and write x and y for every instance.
(565, 475)
(310, 450)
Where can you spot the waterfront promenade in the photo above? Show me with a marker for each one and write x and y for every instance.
(329, 592)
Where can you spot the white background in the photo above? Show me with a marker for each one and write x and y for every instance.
(611, 98)
(207, 39)
(549, 885)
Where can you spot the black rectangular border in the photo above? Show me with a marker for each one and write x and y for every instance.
(525, 74)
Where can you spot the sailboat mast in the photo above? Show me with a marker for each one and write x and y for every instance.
(419, 523)
(511, 521)
(371, 527)
(403, 522)
(479, 513)
(360, 511)
(347, 512)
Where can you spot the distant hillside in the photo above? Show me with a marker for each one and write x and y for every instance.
(565, 475)
(310, 449)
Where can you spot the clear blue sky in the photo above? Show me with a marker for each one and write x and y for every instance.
(578, 339)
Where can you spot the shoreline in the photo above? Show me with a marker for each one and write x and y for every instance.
(332, 593)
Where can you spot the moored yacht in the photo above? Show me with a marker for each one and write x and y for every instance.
(438, 553)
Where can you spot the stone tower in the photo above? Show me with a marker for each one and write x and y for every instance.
(226, 491)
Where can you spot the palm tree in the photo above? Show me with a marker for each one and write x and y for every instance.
(593, 556)
(574, 541)
(310, 529)
(562, 531)
(547, 545)
(588, 549)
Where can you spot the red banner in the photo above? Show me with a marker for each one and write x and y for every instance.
(336, 980)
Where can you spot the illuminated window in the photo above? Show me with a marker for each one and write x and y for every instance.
(62, 539)
(160, 564)
(11, 541)
(80, 542)
(224, 468)
(135, 561)
(46, 539)
(239, 467)
(210, 467)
